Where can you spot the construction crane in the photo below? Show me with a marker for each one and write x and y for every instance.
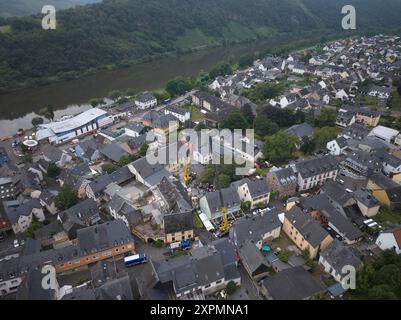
(186, 171)
(225, 226)
(186, 166)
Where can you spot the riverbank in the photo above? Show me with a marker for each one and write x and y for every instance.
(71, 97)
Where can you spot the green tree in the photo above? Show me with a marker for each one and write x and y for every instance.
(130, 92)
(220, 69)
(27, 158)
(389, 274)
(307, 145)
(35, 225)
(94, 102)
(381, 292)
(364, 276)
(234, 120)
(245, 206)
(327, 118)
(264, 91)
(231, 288)
(224, 180)
(178, 86)
(53, 171)
(66, 198)
(279, 147)
(143, 150)
(47, 112)
(283, 256)
(115, 94)
(324, 135)
(208, 174)
(264, 126)
(109, 168)
(261, 205)
(247, 112)
(161, 95)
(37, 121)
(246, 61)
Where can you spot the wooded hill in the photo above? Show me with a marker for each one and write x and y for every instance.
(115, 33)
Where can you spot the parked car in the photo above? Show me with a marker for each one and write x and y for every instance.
(16, 243)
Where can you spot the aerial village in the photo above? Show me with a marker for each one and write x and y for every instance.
(323, 191)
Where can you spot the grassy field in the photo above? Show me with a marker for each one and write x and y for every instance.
(395, 102)
(194, 38)
(196, 115)
(237, 32)
(197, 222)
(387, 216)
(5, 29)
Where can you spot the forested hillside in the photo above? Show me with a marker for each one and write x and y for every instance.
(12, 8)
(118, 32)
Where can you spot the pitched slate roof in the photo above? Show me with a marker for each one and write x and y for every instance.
(338, 256)
(136, 142)
(81, 213)
(366, 198)
(293, 284)
(100, 184)
(145, 97)
(163, 122)
(251, 257)
(103, 236)
(176, 198)
(337, 193)
(286, 176)
(301, 130)
(113, 151)
(357, 131)
(316, 166)
(136, 127)
(23, 209)
(394, 194)
(383, 181)
(227, 197)
(176, 110)
(306, 226)
(178, 222)
(256, 227)
(323, 204)
(121, 175)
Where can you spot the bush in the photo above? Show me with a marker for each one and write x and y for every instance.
(283, 256)
(231, 288)
(66, 198)
(158, 243)
(53, 171)
(37, 121)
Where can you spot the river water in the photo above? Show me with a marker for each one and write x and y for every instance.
(70, 97)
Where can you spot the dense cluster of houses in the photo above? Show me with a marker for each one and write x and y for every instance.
(330, 199)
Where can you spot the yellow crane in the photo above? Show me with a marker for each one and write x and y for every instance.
(186, 171)
(225, 226)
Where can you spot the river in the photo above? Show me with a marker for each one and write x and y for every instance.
(70, 97)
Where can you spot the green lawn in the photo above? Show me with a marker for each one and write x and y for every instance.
(197, 222)
(5, 29)
(196, 115)
(395, 102)
(237, 32)
(387, 216)
(194, 38)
